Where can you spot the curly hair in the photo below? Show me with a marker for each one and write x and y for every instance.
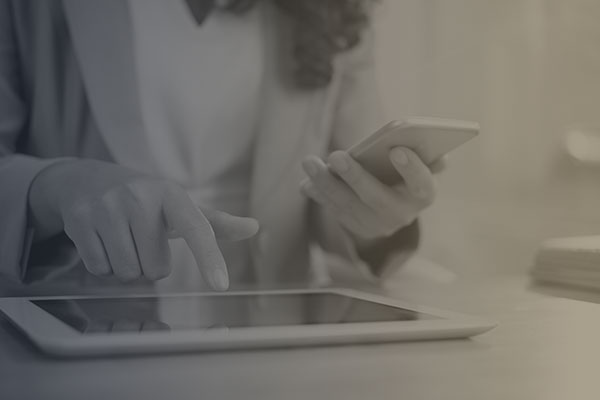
(321, 30)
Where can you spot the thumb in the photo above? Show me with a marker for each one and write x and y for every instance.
(230, 227)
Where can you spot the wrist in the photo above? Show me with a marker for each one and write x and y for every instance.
(378, 252)
(44, 198)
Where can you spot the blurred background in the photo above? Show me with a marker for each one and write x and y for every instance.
(529, 72)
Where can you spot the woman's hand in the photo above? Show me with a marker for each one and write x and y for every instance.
(362, 204)
(120, 221)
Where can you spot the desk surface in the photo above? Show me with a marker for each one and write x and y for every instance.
(545, 348)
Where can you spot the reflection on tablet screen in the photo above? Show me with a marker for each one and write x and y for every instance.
(219, 312)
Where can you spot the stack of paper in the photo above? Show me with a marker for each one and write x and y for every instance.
(570, 261)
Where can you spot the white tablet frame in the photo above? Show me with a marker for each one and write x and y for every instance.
(55, 337)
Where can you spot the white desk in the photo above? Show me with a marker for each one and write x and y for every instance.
(545, 348)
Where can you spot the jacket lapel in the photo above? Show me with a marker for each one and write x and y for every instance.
(103, 42)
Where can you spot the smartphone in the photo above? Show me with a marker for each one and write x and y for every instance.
(430, 138)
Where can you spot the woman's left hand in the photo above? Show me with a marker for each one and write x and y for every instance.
(366, 207)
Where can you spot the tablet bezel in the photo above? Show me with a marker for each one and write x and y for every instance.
(56, 337)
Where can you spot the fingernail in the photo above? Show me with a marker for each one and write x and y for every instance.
(339, 163)
(399, 156)
(310, 167)
(220, 280)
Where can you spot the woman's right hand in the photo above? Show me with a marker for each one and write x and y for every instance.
(120, 220)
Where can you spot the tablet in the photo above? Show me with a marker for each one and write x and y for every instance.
(88, 326)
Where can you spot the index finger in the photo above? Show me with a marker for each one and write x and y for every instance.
(183, 217)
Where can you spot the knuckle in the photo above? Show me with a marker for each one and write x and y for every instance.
(138, 194)
(132, 193)
(81, 214)
(128, 197)
(142, 189)
(113, 194)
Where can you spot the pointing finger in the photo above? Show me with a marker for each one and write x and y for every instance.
(184, 218)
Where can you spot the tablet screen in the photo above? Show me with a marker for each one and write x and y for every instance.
(104, 315)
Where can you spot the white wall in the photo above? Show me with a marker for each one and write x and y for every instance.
(526, 70)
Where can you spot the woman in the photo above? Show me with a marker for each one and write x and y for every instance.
(132, 132)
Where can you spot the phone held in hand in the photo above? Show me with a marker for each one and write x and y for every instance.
(430, 138)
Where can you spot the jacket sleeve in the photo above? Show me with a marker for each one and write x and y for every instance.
(359, 113)
(17, 171)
